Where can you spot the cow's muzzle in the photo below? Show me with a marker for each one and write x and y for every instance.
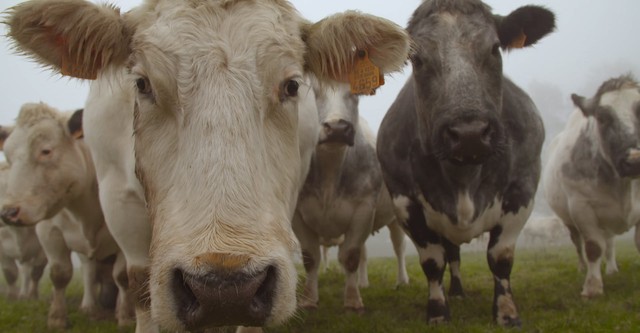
(340, 131)
(11, 216)
(223, 297)
(630, 166)
(469, 142)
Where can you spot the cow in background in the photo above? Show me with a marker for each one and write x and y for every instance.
(217, 94)
(343, 197)
(21, 255)
(52, 184)
(460, 146)
(592, 179)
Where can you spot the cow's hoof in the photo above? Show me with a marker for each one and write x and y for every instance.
(355, 309)
(58, 323)
(510, 322)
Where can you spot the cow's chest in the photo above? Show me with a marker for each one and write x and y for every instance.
(331, 216)
(470, 220)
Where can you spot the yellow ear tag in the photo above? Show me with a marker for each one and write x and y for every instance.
(519, 42)
(365, 77)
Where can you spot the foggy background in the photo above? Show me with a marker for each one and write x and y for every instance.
(594, 41)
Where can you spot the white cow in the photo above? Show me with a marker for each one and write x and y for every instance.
(21, 255)
(592, 178)
(218, 97)
(52, 184)
(343, 197)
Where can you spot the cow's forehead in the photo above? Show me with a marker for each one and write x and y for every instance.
(622, 101)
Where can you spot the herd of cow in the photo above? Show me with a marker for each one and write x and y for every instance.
(220, 139)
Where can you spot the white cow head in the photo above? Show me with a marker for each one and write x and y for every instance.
(219, 85)
(47, 162)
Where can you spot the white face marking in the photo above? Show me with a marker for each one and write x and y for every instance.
(623, 103)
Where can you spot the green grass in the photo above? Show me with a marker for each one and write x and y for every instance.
(545, 282)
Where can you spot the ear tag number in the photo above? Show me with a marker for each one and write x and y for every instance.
(365, 77)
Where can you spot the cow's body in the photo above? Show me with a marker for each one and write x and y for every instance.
(52, 185)
(21, 255)
(591, 181)
(217, 90)
(460, 146)
(343, 196)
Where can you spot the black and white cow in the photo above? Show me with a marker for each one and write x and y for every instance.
(343, 198)
(592, 179)
(460, 146)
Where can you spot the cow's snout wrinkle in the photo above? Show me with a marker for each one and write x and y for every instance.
(223, 298)
(469, 141)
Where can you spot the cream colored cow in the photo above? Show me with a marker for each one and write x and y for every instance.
(219, 97)
(52, 184)
(21, 256)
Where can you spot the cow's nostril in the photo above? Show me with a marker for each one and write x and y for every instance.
(10, 214)
(223, 298)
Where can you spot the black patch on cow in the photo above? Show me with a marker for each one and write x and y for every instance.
(432, 270)
(494, 236)
(419, 232)
(455, 287)
(592, 250)
(501, 268)
(307, 260)
(438, 309)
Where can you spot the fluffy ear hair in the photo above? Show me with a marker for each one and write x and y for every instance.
(332, 44)
(74, 37)
(524, 26)
(5, 131)
(583, 103)
(74, 124)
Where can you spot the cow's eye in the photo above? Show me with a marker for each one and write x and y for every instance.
(291, 88)
(143, 85)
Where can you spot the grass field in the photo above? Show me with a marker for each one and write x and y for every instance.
(546, 285)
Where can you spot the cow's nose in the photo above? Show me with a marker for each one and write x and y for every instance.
(10, 215)
(340, 131)
(224, 298)
(470, 141)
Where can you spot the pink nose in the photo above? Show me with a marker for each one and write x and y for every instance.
(10, 215)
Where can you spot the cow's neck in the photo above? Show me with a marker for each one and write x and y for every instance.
(328, 161)
(462, 177)
(86, 206)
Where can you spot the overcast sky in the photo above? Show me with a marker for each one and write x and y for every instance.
(595, 40)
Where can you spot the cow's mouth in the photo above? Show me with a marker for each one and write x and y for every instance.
(224, 299)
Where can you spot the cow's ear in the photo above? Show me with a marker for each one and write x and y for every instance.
(75, 37)
(524, 26)
(74, 125)
(334, 43)
(584, 104)
(5, 131)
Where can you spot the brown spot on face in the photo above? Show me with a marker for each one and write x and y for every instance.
(352, 261)
(221, 261)
(593, 250)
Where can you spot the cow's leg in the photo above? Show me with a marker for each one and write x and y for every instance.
(89, 283)
(431, 253)
(310, 244)
(10, 271)
(324, 259)
(398, 241)
(125, 309)
(576, 239)
(637, 237)
(593, 245)
(24, 269)
(60, 271)
(610, 255)
(500, 256)
(38, 265)
(363, 274)
(127, 220)
(453, 258)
